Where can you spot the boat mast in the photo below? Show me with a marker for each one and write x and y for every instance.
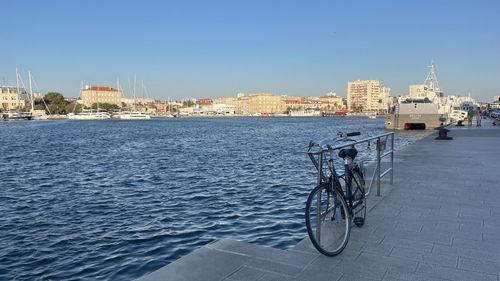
(17, 87)
(37, 88)
(97, 99)
(118, 88)
(31, 94)
(135, 78)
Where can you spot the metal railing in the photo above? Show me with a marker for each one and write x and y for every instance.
(381, 145)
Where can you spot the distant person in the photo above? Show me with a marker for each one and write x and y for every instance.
(478, 117)
(470, 114)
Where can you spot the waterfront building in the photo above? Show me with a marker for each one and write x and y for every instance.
(242, 107)
(186, 111)
(421, 91)
(367, 96)
(205, 101)
(418, 91)
(161, 106)
(101, 94)
(11, 98)
(295, 103)
(218, 109)
(137, 101)
(227, 100)
(265, 103)
(331, 97)
(331, 101)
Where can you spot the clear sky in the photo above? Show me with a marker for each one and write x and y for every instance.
(184, 49)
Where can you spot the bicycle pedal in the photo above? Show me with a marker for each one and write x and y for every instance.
(359, 221)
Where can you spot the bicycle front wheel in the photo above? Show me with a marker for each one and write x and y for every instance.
(327, 220)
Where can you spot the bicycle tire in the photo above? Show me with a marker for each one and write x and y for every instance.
(358, 187)
(332, 236)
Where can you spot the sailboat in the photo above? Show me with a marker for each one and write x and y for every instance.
(38, 114)
(14, 114)
(132, 115)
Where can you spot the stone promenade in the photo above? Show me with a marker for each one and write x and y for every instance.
(439, 221)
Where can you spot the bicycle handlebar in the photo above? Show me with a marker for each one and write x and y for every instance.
(324, 144)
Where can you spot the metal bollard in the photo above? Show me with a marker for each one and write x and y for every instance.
(443, 134)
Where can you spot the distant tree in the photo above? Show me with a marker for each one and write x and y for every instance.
(39, 107)
(187, 103)
(74, 107)
(105, 106)
(356, 108)
(54, 97)
(55, 102)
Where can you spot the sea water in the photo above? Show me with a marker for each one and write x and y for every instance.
(120, 199)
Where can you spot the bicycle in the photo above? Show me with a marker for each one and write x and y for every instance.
(331, 207)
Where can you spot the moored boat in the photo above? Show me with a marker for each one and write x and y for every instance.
(88, 115)
(423, 110)
(132, 115)
(16, 116)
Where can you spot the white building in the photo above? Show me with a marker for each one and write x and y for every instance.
(218, 109)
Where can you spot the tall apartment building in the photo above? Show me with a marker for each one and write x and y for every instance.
(101, 94)
(265, 103)
(368, 95)
(10, 98)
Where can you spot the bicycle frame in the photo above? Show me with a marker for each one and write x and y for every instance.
(333, 179)
(382, 141)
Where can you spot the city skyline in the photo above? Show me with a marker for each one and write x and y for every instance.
(198, 49)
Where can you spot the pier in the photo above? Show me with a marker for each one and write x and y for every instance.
(440, 220)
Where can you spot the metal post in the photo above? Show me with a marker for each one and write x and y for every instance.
(392, 158)
(378, 167)
(318, 204)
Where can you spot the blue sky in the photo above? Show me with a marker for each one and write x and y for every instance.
(184, 49)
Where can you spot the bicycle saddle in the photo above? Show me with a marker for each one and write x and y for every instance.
(348, 152)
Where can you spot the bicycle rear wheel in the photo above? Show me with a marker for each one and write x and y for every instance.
(327, 220)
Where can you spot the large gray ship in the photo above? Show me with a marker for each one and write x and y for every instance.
(424, 109)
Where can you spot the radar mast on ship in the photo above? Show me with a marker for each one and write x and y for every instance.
(431, 81)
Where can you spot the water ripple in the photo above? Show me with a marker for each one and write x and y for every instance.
(117, 200)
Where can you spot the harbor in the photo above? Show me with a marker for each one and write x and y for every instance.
(250, 141)
(436, 222)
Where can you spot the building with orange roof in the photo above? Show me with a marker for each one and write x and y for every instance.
(101, 94)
